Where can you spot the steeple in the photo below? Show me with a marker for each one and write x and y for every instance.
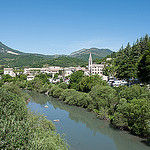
(90, 63)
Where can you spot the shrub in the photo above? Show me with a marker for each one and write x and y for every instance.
(53, 89)
(63, 85)
(103, 96)
(66, 93)
(73, 98)
(134, 115)
(132, 92)
(84, 100)
(57, 92)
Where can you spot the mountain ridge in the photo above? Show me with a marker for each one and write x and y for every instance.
(10, 57)
(96, 53)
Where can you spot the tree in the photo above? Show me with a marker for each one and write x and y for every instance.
(6, 78)
(56, 76)
(103, 96)
(87, 83)
(75, 78)
(144, 67)
(134, 115)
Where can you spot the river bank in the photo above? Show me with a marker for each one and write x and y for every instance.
(83, 130)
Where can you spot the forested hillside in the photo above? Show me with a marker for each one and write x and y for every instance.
(62, 62)
(131, 61)
(96, 53)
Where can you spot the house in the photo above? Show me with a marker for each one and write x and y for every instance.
(67, 71)
(9, 71)
(29, 78)
(54, 69)
(108, 59)
(32, 71)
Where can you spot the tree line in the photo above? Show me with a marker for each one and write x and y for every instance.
(130, 62)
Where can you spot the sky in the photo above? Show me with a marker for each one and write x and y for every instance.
(64, 26)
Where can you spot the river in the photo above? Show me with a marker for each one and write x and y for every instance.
(82, 129)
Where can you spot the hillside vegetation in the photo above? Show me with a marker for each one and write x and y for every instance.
(96, 53)
(13, 58)
(18, 59)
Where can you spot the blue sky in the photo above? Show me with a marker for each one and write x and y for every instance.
(64, 26)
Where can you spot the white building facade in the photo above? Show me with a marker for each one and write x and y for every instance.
(9, 71)
(95, 68)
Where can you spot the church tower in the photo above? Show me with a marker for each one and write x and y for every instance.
(90, 63)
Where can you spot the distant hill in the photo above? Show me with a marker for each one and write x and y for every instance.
(96, 53)
(7, 50)
(14, 58)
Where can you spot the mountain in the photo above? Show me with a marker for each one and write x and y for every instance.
(14, 58)
(96, 53)
(7, 50)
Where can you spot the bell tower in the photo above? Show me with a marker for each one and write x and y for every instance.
(90, 63)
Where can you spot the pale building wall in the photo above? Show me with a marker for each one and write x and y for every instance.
(9, 71)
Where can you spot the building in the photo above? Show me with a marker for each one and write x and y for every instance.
(32, 71)
(54, 69)
(67, 71)
(35, 71)
(9, 71)
(29, 78)
(95, 68)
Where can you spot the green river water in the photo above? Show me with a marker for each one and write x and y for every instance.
(82, 129)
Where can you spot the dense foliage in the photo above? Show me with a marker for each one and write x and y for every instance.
(19, 128)
(9, 60)
(62, 62)
(75, 78)
(86, 83)
(144, 66)
(130, 62)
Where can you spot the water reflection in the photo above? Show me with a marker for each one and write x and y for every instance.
(123, 140)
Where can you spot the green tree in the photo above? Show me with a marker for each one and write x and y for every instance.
(129, 93)
(6, 78)
(144, 67)
(103, 96)
(75, 78)
(134, 116)
(87, 83)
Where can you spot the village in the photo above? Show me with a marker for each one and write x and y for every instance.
(60, 72)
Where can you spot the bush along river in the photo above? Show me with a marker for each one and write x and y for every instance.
(82, 129)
